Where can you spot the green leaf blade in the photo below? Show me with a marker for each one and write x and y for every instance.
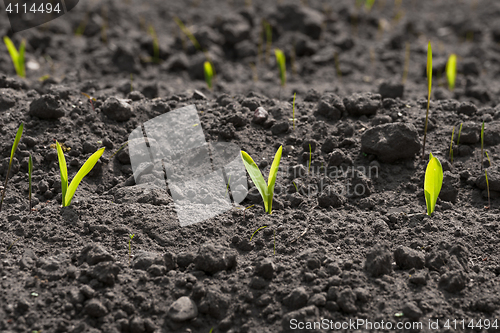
(281, 61)
(429, 67)
(84, 170)
(432, 183)
(256, 176)
(272, 178)
(451, 71)
(63, 170)
(19, 134)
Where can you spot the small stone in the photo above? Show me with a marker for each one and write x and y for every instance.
(379, 261)
(412, 311)
(391, 89)
(199, 95)
(260, 115)
(265, 268)
(280, 127)
(46, 107)
(407, 258)
(183, 309)
(296, 299)
(95, 308)
(117, 109)
(467, 108)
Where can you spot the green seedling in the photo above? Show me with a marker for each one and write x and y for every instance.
(295, 185)
(156, 44)
(188, 33)
(488, 188)
(488, 157)
(482, 145)
(91, 100)
(211, 330)
(337, 65)
(451, 144)
(13, 243)
(30, 172)
(116, 152)
(209, 73)
(310, 160)
(369, 4)
(245, 210)
(451, 71)
(274, 236)
(257, 231)
(459, 133)
(227, 186)
(16, 56)
(432, 183)
(265, 190)
(131, 236)
(429, 84)
(281, 61)
(19, 134)
(406, 68)
(269, 39)
(69, 191)
(293, 111)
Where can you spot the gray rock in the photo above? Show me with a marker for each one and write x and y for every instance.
(328, 111)
(330, 198)
(363, 104)
(292, 17)
(391, 142)
(216, 303)
(347, 301)
(212, 259)
(117, 109)
(183, 309)
(407, 258)
(95, 308)
(412, 311)
(265, 269)
(260, 115)
(95, 253)
(453, 281)
(317, 299)
(391, 89)
(143, 260)
(451, 184)
(467, 108)
(470, 133)
(296, 299)
(379, 261)
(493, 179)
(46, 107)
(280, 127)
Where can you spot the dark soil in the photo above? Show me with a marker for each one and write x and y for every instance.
(349, 238)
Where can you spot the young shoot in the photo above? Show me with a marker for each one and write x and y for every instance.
(310, 160)
(130, 237)
(488, 157)
(265, 190)
(429, 84)
(91, 100)
(16, 56)
(482, 145)
(451, 144)
(281, 62)
(209, 74)
(19, 134)
(488, 189)
(451, 71)
(293, 111)
(245, 210)
(30, 173)
(69, 191)
(156, 44)
(459, 133)
(432, 183)
(368, 5)
(257, 231)
(295, 185)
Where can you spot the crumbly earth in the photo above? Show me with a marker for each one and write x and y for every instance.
(348, 240)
